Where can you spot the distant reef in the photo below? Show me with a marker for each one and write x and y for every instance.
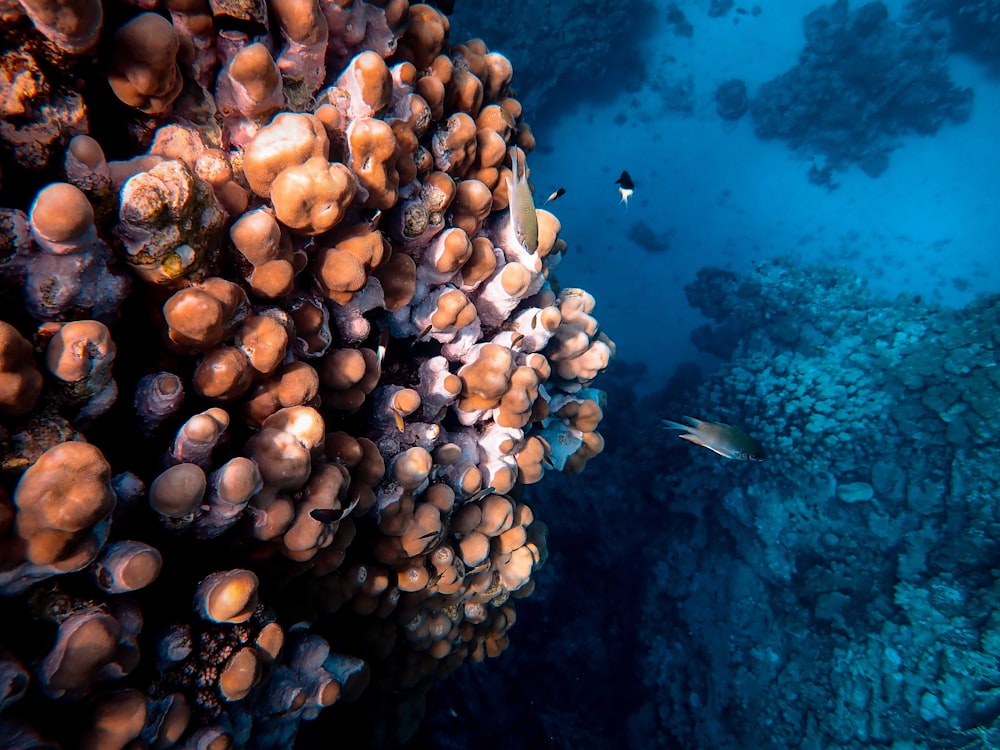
(863, 82)
(844, 592)
(973, 27)
(563, 52)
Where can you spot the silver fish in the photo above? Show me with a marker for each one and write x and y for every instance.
(719, 438)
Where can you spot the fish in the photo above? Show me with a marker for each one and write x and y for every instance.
(557, 194)
(383, 345)
(480, 495)
(371, 218)
(327, 515)
(719, 438)
(522, 208)
(625, 186)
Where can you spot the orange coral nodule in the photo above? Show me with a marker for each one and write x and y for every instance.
(61, 213)
(178, 491)
(453, 310)
(313, 197)
(61, 497)
(118, 719)
(432, 90)
(227, 596)
(342, 269)
(487, 377)
(20, 381)
(473, 203)
(531, 459)
(548, 232)
(195, 319)
(373, 156)
(451, 250)
(301, 21)
(240, 674)
(255, 71)
(224, 374)
(72, 25)
(583, 415)
(264, 341)
(593, 444)
(283, 461)
(398, 277)
(368, 82)
(425, 36)
(498, 515)
(454, 145)
(481, 264)
(290, 139)
(292, 384)
(496, 118)
(87, 641)
(127, 566)
(258, 238)
(516, 404)
(464, 93)
(144, 72)
(411, 467)
(499, 73)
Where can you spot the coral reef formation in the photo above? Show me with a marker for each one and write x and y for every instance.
(731, 100)
(862, 81)
(971, 26)
(546, 42)
(843, 592)
(276, 367)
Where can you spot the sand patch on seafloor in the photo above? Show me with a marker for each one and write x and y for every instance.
(719, 196)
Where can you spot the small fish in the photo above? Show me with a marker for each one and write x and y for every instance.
(625, 186)
(372, 218)
(398, 419)
(557, 194)
(480, 495)
(383, 344)
(422, 336)
(547, 454)
(522, 208)
(327, 515)
(719, 438)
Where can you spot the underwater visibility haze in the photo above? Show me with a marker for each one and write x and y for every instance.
(486, 374)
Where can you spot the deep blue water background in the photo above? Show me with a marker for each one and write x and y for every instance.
(844, 592)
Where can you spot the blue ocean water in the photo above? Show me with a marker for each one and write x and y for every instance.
(819, 272)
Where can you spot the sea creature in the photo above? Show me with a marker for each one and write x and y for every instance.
(327, 515)
(719, 438)
(625, 186)
(522, 208)
(556, 194)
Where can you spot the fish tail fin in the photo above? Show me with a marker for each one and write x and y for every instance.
(673, 425)
(692, 422)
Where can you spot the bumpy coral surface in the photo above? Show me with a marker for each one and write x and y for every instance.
(272, 381)
(856, 563)
(862, 80)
